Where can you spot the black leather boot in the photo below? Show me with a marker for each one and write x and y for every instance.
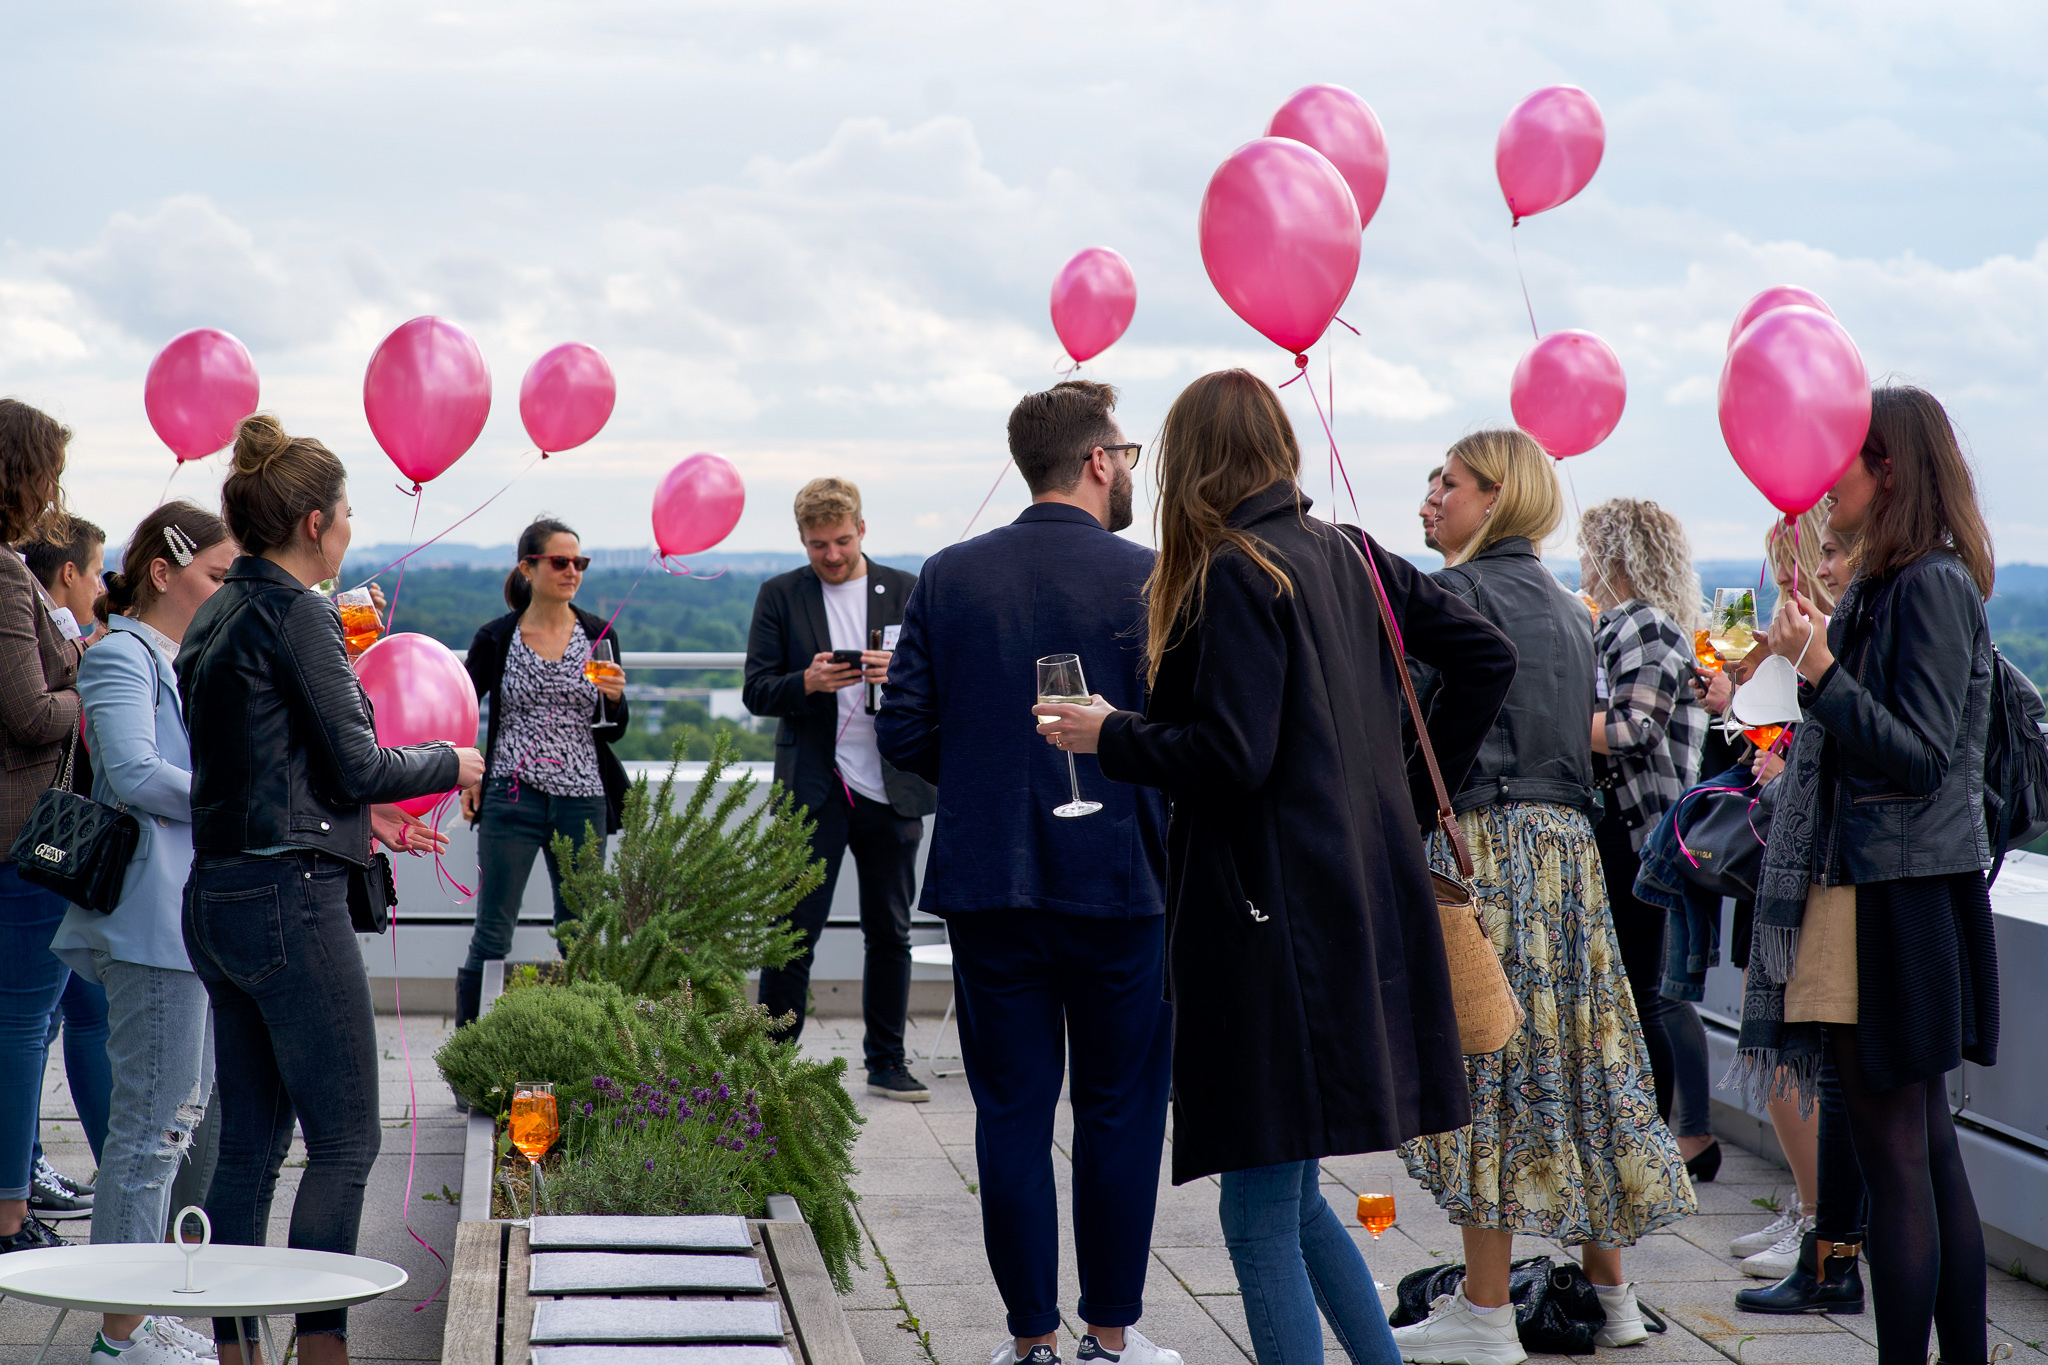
(469, 990)
(1826, 1280)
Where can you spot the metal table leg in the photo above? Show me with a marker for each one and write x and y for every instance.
(270, 1355)
(62, 1314)
(940, 1037)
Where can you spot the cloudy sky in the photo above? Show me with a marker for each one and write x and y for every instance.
(818, 238)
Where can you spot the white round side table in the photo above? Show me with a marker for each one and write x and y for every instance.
(194, 1279)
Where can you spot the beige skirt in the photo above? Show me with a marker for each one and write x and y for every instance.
(1823, 985)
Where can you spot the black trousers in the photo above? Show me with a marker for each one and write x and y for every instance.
(1048, 999)
(884, 846)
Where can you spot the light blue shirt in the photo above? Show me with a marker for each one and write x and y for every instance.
(142, 758)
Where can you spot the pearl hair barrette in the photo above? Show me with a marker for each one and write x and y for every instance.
(183, 547)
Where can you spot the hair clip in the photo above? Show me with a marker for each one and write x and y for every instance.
(183, 547)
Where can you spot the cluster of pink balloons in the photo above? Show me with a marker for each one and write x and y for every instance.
(1794, 399)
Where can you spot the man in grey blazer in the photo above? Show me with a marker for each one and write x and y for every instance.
(825, 756)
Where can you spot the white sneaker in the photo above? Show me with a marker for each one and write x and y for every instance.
(178, 1334)
(1780, 1258)
(1453, 1335)
(1041, 1354)
(1137, 1351)
(1764, 1238)
(1624, 1316)
(144, 1348)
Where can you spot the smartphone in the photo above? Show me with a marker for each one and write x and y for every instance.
(849, 657)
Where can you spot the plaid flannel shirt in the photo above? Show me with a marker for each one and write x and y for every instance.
(1655, 727)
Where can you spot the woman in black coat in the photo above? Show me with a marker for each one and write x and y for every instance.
(1313, 1006)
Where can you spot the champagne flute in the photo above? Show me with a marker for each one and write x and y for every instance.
(1730, 628)
(1061, 683)
(534, 1126)
(602, 663)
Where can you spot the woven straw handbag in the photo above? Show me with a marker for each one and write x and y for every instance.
(1488, 1013)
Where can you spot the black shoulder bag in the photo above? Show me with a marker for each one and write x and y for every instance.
(75, 846)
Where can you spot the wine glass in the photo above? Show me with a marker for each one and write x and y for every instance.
(1061, 683)
(602, 663)
(1376, 1211)
(359, 624)
(534, 1126)
(1731, 627)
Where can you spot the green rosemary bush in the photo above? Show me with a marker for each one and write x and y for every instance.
(575, 1033)
(698, 896)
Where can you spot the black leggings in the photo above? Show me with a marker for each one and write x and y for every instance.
(1926, 1245)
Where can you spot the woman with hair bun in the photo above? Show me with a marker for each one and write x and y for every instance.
(550, 770)
(288, 782)
(159, 1043)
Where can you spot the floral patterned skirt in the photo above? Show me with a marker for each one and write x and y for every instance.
(1565, 1141)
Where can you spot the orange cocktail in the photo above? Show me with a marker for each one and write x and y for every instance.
(1703, 653)
(1376, 1211)
(534, 1125)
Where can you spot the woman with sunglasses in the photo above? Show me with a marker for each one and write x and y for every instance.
(549, 767)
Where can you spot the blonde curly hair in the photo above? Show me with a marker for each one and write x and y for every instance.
(1641, 551)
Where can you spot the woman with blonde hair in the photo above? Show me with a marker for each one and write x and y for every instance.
(1304, 943)
(1565, 1141)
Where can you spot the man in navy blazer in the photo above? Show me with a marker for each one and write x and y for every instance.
(1057, 925)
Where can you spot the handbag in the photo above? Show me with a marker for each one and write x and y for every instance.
(1724, 832)
(372, 891)
(1488, 1013)
(75, 846)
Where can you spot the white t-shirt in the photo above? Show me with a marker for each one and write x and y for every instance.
(860, 762)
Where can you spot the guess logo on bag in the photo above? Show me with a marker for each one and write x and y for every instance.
(50, 853)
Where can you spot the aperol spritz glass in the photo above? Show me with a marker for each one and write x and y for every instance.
(534, 1126)
(1376, 1211)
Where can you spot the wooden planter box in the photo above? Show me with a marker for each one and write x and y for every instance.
(492, 1304)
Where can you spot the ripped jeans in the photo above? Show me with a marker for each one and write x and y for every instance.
(160, 1044)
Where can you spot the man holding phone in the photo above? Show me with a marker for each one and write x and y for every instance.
(817, 653)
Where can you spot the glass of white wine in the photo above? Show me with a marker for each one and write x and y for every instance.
(1731, 629)
(1061, 683)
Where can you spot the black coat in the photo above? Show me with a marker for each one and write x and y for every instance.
(486, 664)
(1312, 1004)
(788, 630)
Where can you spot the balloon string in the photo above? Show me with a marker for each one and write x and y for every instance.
(464, 517)
(1516, 248)
(441, 872)
(1065, 372)
(627, 598)
(166, 494)
(984, 501)
(391, 615)
(1334, 454)
(1599, 570)
(412, 1160)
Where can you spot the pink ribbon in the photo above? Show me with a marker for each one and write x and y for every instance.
(412, 1091)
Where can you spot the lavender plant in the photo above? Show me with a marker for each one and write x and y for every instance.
(667, 1146)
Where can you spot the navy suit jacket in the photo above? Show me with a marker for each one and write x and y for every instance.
(957, 712)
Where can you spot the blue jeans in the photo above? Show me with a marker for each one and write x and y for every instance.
(293, 1037)
(82, 1015)
(509, 833)
(29, 990)
(163, 1054)
(1292, 1258)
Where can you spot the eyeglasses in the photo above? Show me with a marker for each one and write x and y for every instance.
(1133, 447)
(562, 563)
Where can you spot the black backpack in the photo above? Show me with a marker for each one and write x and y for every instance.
(2015, 762)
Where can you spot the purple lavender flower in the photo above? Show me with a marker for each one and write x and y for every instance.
(588, 1108)
(650, 1163)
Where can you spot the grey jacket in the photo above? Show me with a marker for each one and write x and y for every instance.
(1539, 747)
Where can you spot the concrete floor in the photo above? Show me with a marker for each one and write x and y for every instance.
(926, 1297)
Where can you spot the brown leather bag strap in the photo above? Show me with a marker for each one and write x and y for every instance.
(1446, 819)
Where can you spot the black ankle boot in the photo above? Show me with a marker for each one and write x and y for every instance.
(1826, 1280)
(469, 991)
(1704, 1167)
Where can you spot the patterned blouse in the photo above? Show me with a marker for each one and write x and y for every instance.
(547, 705)
(1655, 726)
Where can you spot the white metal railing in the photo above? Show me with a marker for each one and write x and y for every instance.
(668, 660)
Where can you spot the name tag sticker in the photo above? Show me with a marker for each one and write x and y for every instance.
(890, 634)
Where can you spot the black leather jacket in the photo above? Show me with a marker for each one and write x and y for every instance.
(283, 748)
(1905, 708)
(1540, 747)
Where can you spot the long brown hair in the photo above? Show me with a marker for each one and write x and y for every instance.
(131, 590)
(276, 480)
(1225, 438)
(1929, 502)
(31, 462)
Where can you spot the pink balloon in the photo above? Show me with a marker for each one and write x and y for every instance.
(426, 393)
(1093, 298)
(697, 504)
(567, 397)
(1548, 149)
(1343, 128)
(1568, 392)
(199, 388)
(1279, 233)
(419, 693)
(1777, 296)
(1795, 405)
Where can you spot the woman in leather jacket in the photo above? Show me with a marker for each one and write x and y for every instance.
(1873, 922)
(1546, 1155)
(288, 786)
